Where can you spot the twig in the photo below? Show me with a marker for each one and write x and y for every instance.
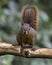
(6, 48)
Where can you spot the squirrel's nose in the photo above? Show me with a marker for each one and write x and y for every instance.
(25, 32)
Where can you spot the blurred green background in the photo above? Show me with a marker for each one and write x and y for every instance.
(10, 11)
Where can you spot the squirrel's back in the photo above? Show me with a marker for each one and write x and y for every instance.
(30, 15)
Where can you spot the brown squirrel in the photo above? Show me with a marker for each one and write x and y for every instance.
(27, 34)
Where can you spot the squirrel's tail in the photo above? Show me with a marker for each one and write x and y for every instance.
(29, 14)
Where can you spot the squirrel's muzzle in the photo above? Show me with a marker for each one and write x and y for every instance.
(25, 32)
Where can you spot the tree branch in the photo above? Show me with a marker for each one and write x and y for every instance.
(6, 48)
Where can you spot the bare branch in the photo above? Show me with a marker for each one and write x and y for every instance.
(6, 48)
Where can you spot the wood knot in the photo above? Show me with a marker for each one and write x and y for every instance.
(26, 53)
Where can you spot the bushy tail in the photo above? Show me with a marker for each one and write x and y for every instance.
(29, 14)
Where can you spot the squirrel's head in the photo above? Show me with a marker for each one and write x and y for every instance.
(25, 28)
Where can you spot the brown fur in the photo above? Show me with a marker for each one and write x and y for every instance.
(30, 15)
(24, 39)
(29, 18)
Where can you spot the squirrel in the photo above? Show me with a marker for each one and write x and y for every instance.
(27, 34)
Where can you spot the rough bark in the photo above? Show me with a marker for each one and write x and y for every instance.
(6, 48)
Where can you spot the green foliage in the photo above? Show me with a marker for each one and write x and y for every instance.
(3, 2)
(1, 13)
(10, 24)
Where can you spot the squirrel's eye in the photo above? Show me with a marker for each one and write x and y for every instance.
(22, 23)
(29, 28)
